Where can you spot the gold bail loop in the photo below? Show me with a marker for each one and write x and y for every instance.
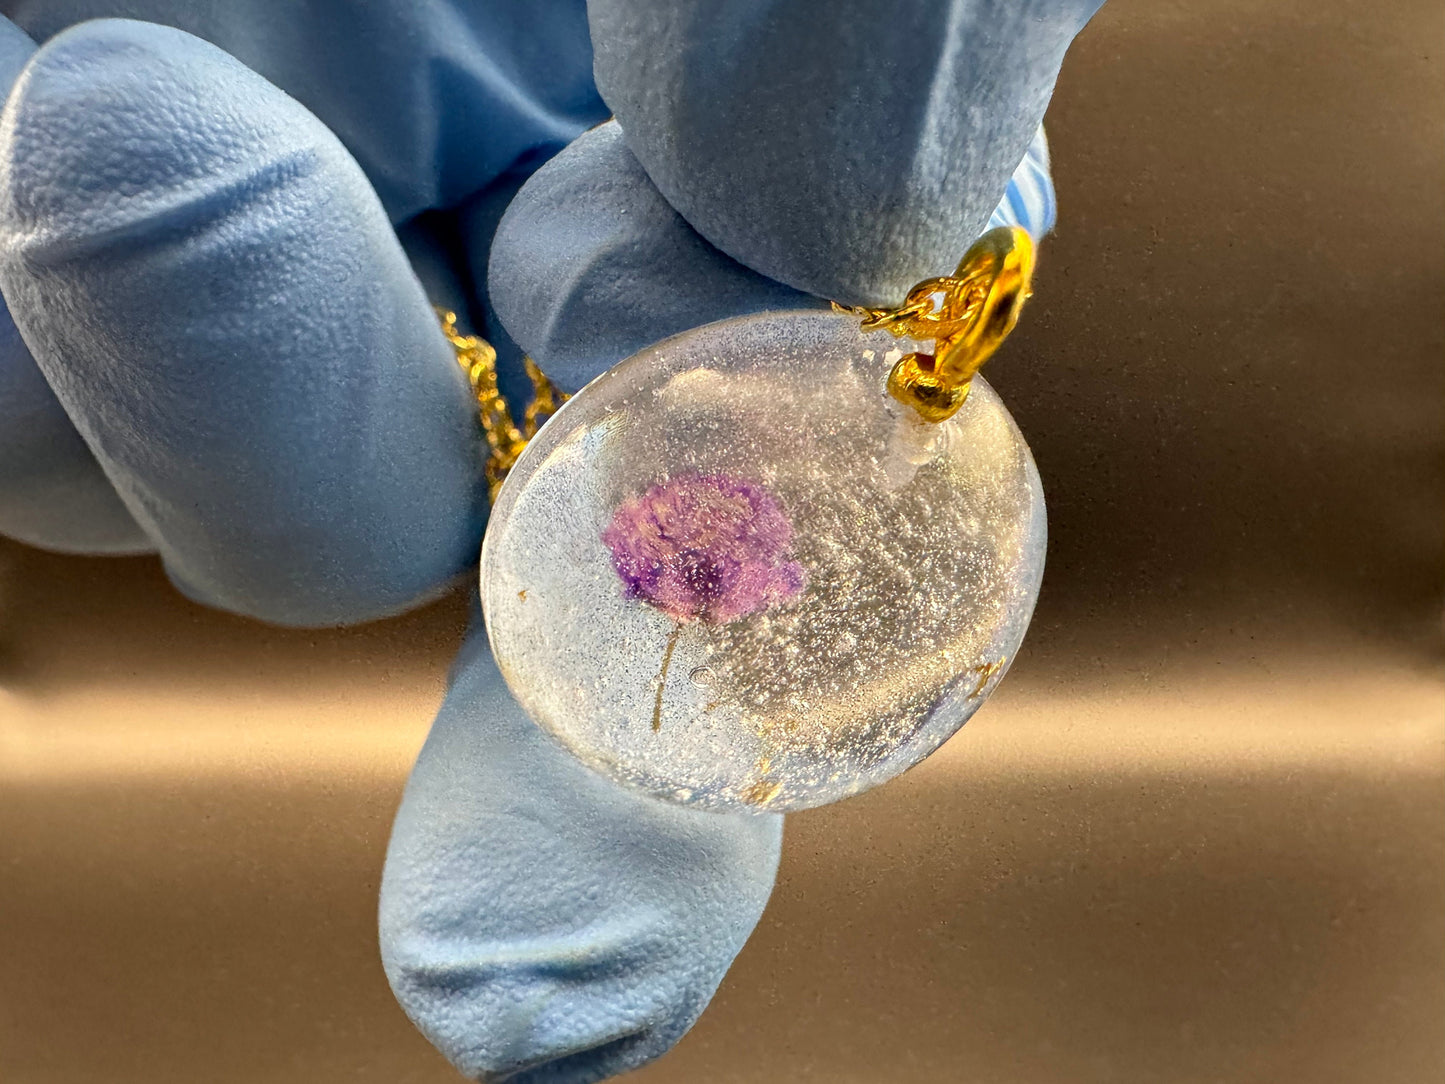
(967, 315)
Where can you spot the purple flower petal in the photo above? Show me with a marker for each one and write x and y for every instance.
(705, 546)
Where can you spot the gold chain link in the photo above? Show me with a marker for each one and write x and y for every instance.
(505, 440)
(967, 315)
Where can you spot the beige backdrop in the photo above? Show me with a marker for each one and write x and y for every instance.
(1198, 836)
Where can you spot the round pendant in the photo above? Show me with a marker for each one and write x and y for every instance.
(735, 573)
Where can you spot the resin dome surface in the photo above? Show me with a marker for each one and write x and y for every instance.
(734, 573)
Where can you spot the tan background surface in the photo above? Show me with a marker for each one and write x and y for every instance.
(1199, 835)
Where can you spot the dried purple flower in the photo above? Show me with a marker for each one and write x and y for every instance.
(707, 547)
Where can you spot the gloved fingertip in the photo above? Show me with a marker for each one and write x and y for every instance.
(849, 158)
(590, 264)
(542, 925)
(53, 494)
(210, 285)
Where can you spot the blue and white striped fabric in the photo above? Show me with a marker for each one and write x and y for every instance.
(1029, 199)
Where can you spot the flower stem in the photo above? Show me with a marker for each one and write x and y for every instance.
(662, 677)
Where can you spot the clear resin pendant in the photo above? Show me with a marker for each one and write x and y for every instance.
(736, 573)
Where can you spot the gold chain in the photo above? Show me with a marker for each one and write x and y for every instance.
(478, 358)
(967, 315)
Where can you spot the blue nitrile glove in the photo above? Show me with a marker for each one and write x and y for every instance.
(212, 289)
(535, 918)
(847, 149)
(590, 264)
(538, 919)
(207, 279)
(438, 102)
(434, 98)
(53, 493)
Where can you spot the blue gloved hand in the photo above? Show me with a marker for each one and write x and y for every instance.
(53, 493)
(215, 292)
(848, 150)
(207, 280)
